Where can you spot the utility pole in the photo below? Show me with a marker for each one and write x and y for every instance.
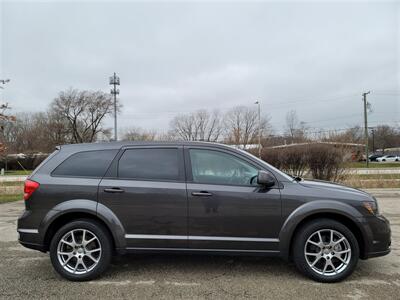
(114, 80)
(366, 127)
(373, 138)
(259, 128)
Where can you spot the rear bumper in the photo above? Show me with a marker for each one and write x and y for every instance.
(33, 246)
(28, 232)
(30, 240)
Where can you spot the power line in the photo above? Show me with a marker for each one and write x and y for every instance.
(273, 105)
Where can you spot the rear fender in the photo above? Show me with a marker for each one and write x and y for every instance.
(87, 207)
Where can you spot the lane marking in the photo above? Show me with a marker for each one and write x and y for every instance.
(174, 283)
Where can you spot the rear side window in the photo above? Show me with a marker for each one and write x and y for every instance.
(150, 164)
(86, 164)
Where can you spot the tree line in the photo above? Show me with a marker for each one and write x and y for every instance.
(76, 116)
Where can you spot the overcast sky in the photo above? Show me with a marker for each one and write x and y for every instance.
(172, 57)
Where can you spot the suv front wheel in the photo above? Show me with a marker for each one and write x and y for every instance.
(325, 250)
(81, 250)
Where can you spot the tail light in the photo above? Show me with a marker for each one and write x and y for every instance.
(29, 187)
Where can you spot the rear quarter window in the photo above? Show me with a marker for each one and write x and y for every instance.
(86, 164)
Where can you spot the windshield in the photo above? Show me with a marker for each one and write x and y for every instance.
(288, 177)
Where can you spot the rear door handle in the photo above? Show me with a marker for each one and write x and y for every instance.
(201, 194)
(114, 190)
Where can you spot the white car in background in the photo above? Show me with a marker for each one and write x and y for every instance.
(388, 158)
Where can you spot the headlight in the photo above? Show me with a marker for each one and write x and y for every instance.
(371, 207)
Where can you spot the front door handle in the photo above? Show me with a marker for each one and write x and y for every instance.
(201, 194)
(114, 190)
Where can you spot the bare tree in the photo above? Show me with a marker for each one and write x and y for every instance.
(351, 135)
(386, 136)
(241, 124)
(35, 132)
(197, 126)
(295, 129)
(84, 112)
(5, 121)
(291, 123)
(56, 129)
(139, 134)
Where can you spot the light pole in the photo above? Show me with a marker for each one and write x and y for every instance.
(259, 128)
(114, 80)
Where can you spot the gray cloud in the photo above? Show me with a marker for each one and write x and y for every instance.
(174, 57)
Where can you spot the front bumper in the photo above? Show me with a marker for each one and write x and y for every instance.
(380, 240)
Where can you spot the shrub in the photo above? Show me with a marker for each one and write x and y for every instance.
(324, 162)
(290, 160)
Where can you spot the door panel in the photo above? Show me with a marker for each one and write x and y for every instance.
(148, 211)
(147, 192)
(226, 208)
(234, 217)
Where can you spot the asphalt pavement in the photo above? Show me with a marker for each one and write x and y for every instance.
(28, 274)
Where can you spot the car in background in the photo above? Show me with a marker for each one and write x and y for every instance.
(388, 158)
(374, 157)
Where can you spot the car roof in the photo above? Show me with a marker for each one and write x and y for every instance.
(118, 145)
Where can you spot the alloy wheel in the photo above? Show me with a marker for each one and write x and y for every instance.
(327, 252)
(79, 251)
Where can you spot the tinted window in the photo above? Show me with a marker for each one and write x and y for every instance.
(86, 164)
(150, 164)
(210, 166)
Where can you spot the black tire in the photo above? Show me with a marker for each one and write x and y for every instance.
(104, 240)
(306, 232)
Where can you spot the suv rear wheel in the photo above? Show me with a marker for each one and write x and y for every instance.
(81, 250)
(325, 250)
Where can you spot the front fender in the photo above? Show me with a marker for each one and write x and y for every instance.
(88, 207)
(309, 209)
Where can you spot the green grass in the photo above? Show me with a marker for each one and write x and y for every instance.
(12, 183)
(361, 164)
(11, 198)
(11, 191)
(17, 172)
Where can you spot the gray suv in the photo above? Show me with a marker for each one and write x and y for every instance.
(87, 202)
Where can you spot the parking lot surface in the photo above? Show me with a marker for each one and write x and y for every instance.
(28, 274)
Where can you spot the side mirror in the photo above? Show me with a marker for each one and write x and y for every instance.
(265, 178)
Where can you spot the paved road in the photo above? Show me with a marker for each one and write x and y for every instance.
(28, 274)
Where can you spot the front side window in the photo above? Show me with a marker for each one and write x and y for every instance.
(150, 164)
(209, 166)
(86, 164)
